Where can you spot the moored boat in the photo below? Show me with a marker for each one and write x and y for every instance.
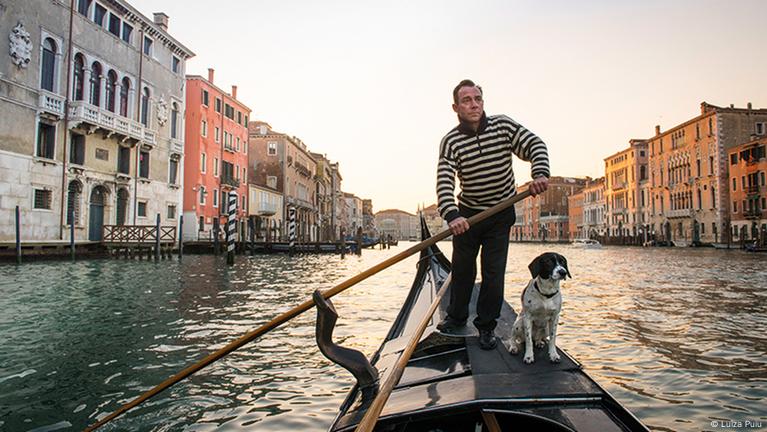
(450, 384)
(587, 244)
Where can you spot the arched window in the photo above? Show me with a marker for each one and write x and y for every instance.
(79, 77)
(74, 192)
(96, 84)
(48, 70)
(174, 121)
(111, 90)
(124, 91)
(145, 107)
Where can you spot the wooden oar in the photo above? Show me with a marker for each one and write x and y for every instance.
(374, 411)
(303, 307)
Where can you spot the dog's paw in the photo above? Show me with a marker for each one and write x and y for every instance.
(528, 358)
(554, 358)
(540, 344)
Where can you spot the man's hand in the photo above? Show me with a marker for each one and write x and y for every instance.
(539, 185)
(459, 225)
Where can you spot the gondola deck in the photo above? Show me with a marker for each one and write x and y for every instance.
(451, 384)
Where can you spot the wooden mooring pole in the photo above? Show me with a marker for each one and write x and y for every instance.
(157, 239)
(18, 235)
(215, 236)
(72, 232)
(180, 236)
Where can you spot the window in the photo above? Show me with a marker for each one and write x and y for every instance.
(111, 90)
(238, 144)
(244, 177)
(711, 165)
(203, 163)
(246, 121)
(77, 150)
(123, 160)
(173, 174)
(175, 65)
(229, 111)
(145, 107)
(236, 171)
(202, 195)
(698, 165)
(204, 129)
(713, 197)
(95, 84)
(83, 6)
(171, 211)
(201, 224)
(73, 202)
(272, 148)
(142, 208)
(143, 168)
(760, 129)
(239, 117)
(762, 175)
(743, 182)
(215, 200)
(99, 14)
(697, 131)
(124, 91)
(127, 32)
(734, 206)
(114, 24)
(733, 159)
(174, 120)
(218, 105)
(217, 134)
(48, 72)
(244, 203)
(148, 45)
(79, 72)
(42, 199)
(205, 97)
(46, 140)
(215, 167)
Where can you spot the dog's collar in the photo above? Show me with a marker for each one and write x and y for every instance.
(535, 285)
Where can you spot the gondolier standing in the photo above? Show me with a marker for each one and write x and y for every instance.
(479, 151)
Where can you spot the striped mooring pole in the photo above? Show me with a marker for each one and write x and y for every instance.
(292, 229)
(231, 227)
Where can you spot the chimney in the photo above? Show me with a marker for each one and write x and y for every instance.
(703, 107)
(161, 20)
(749, 106)
(211, 71)
(234, 92)
(657, 129)
(732, 105)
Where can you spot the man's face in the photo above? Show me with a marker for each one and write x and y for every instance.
(470, 104)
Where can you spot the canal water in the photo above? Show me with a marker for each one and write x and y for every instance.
(677, 335)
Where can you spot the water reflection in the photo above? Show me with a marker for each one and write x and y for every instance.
(676, 335)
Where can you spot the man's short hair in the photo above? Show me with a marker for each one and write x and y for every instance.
(464, 83)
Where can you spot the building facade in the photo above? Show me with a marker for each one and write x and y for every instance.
(400, 224)
(748, 193)
(354, 213)
(265, 209)
(575, 216)
(689, 173)
(368, 219)
(92, 127)
(594, 209)
(216, 156)
(545, 217)
(283, 163)
(626, 178)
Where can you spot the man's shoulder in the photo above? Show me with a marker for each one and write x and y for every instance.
(451, 134)
(501, 119)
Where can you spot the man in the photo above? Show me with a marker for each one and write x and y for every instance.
(479, 151)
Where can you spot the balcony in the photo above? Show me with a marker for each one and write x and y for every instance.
(83, 113)
(681, 213)
(619, 185)
(229, 148)
(752, 214)
(51, 103)
(230, 181)
(176, 146)
(752, 190)
(266, 209)
(303, 170)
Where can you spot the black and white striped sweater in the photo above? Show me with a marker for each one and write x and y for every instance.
(482, 162)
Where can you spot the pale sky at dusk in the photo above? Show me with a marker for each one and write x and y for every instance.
(369, 82)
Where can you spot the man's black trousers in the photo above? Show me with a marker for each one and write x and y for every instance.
(492, 237)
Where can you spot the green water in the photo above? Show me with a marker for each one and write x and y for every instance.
(676, 335)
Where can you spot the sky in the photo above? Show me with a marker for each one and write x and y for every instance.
(369, 83)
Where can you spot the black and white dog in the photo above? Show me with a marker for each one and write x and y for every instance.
(541, 304)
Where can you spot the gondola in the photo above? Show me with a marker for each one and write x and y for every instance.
(450, 384)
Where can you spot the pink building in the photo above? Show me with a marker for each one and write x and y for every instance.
(215, 155)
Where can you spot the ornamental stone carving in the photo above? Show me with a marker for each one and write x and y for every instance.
(21, 46)
(162, 111)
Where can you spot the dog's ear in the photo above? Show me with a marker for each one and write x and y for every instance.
(563, 261)
(535, 267)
